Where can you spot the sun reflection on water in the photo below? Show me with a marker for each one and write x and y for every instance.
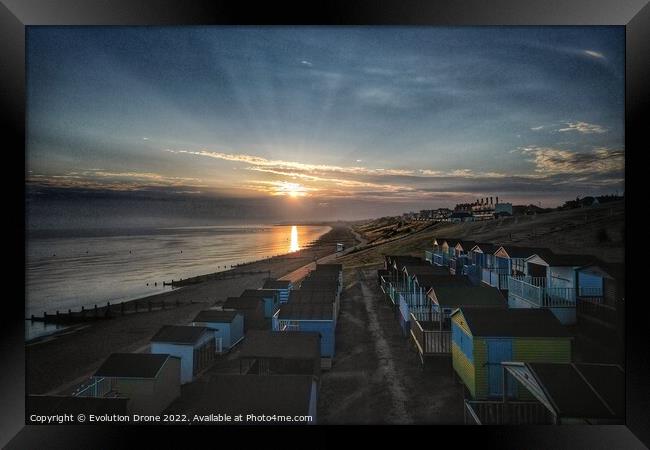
(294, 246)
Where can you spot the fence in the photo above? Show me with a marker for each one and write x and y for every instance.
(540, 296)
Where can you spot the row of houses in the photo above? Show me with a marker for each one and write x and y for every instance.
(570, 285)
(514, 359)
(315, 307)
(273, 335)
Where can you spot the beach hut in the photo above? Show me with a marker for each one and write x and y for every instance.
(446, 298)
(459, 257)
(558, 393)
(151, 382)
(252, 398)
(228, 326)
(552, 281)
(482, 254)
(509, 260)
(414, 296)
(271, 298)
(326, 297)
(282, 286)
(601, 299)
(195, 346)
(280, 353)
(328, 287)
(436, 255)
(317, 317)
(430, 326)
(253, 310)
(483, 338)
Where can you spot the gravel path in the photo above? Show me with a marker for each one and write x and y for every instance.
(377, 377)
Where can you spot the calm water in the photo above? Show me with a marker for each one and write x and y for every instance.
(68, 272)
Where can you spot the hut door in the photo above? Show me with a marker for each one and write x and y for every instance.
(499, 350)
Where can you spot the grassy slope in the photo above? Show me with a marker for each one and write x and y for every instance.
(573, 231)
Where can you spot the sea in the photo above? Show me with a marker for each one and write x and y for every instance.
(73, 269)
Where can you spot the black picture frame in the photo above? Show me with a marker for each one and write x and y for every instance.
(15, 15)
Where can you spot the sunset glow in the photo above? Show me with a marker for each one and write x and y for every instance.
(277, 124)
(294, 246)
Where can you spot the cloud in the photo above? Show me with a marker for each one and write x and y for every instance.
(595, 54)
(119, 181)
(263, 162)
(553, 161)
(306, 63)
(583, 127)
(145, 138)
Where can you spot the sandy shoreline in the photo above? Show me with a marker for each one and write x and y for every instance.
(52, 364)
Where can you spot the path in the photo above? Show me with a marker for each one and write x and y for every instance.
(377, 377)
(303, 271)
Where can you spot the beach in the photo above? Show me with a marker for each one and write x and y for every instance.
(57, 363)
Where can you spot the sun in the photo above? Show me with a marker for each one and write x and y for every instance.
(292, 190)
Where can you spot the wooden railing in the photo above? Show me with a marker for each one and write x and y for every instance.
(545, 297)
(509, 413)
(430, 342)
(439, 259)
(497, 278)
(594, 308)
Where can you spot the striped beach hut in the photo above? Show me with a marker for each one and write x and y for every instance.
(281, 286)
(483, 338)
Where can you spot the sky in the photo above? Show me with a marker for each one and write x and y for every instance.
(299, 123)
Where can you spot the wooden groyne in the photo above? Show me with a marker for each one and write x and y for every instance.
(107, 311)
(226, 275)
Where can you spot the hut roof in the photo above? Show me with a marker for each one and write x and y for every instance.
(523, 322)
(261, 293)
(243, 302)
(455, 296)
(216, 316)
(486, 247)
(583, 390)
(515, 251)
(277, 284)
(311, 296)
(287, 395)
(306, 311)
(556, 260)
(179, 334)
(280, 344)
(429, 280)
(132, 365)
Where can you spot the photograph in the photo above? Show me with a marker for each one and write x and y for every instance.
(325, 225)
(262, 225)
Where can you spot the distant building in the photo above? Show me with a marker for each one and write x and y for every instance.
(461, 216)
(485, 208)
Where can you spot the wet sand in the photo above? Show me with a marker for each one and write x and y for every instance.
(55, 365)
